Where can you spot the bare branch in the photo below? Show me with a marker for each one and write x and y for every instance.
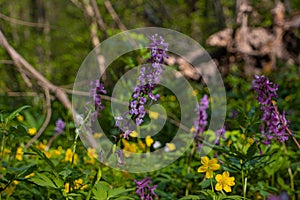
(100, 21)
(46, 122)
(33, 73)
(114, 15)
(21, 22)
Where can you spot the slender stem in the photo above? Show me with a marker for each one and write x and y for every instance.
(290, 173)
(245, 187)
(212, 189)
(2, 145)
(286, 127)
(244, 182)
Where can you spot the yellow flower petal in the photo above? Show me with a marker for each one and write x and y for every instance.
(204, 160)
(202, 169)
(226, 174)
(31, 131)
(227, 188)
(134, 134)
(218, 177)
(153, 115)
(209, 174)
(214, 167)
(218, 186)
(149, 141)
(213, 161)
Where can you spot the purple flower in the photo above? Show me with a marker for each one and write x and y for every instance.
(220, 133)
(201, 119)
(119, 154)
(144, 190)
(60, 125)
(148, 78)
(97, 89)
(274, 124)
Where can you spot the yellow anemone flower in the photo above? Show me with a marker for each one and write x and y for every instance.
(224, 182)
(153, 115)
(31, 131)
(20, 118)
(208, 166)
(149, 141)
(19, 154)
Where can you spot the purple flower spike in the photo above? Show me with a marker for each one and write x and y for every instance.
(60, 125)
(144, 190)
(149, 77)
(97, 89)
(220, 133)
(274, 124)
(201, 120)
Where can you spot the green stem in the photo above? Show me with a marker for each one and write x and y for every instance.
(244, 182)
(292, 182)
(2, 145)
(95, 181)
(212, 189)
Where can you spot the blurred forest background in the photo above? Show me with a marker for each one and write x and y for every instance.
(55, 36)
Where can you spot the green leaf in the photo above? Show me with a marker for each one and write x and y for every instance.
(190, 197)
(251, 150)
(43, 180)
(204, 184)
(15, 113)
(117, 191)
(100, 192)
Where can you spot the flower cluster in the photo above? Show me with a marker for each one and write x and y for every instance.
(200, 123)
(96, 90)
(201, 120)
(208, 166)
(275, 124)
(144, 190)
(224, 181)
(60, 125)
(148, 79)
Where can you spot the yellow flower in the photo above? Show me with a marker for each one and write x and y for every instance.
(195, 92)
(170, 147)
(16, 182)
(193, 130)
(19, 154)
(69, 155)
(91, 152)
(97, 135)
(78, 184)
(208, 166)
(48, 154)
(57, 151)
(149, 141)
(29, 175)
(224, 182)
(128, 148)
(31, 131)
(134, 134)
(153, 115)
(42, 146)
(20, 118)
(67, 185)
(172, 98)
(141, 145)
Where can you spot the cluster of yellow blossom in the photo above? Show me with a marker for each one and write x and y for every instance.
(78, 184)
(224, 181)
(91, 153)
(69, 156)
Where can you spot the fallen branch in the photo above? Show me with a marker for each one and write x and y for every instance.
(33, 73)
(46, 122)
